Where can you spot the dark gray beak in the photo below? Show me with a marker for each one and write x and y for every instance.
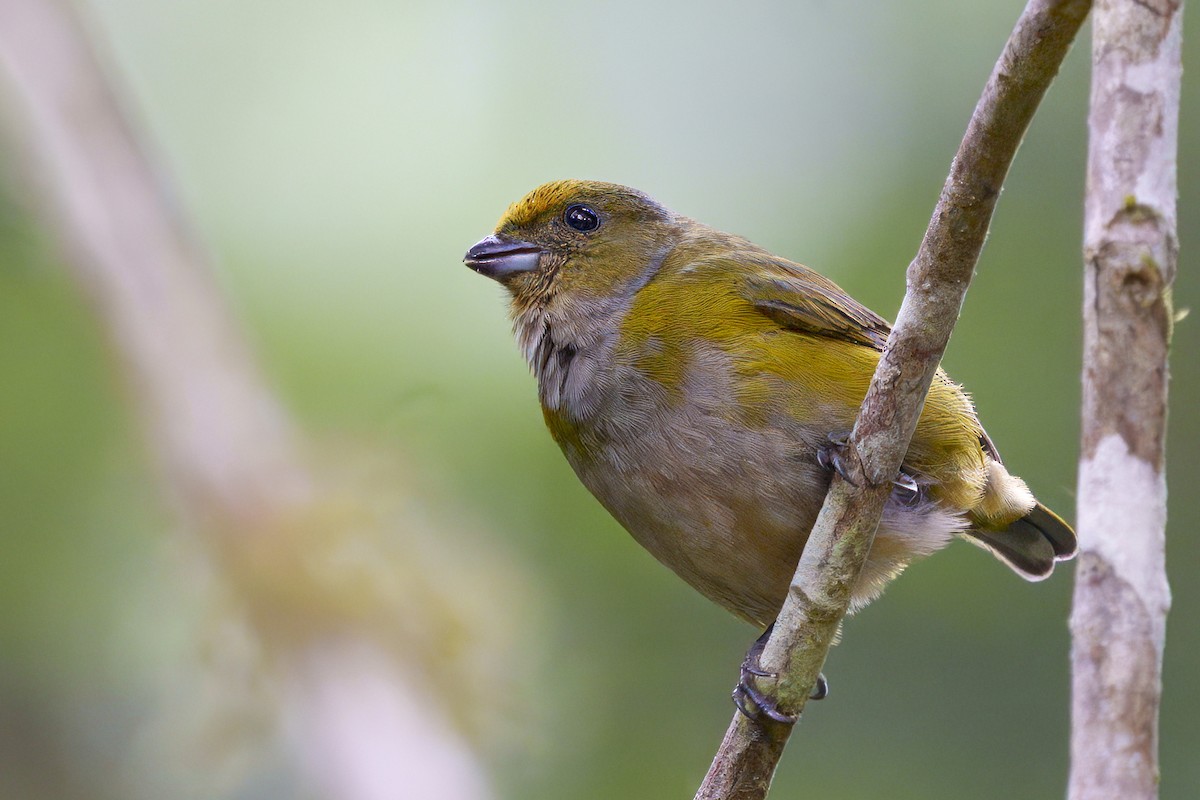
(500, 258)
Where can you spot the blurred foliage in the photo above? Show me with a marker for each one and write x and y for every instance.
(340, 157)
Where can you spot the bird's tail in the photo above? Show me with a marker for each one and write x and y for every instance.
(1032, 544)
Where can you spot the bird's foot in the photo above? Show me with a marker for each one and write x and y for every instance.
(831, 455)
(907, 491)
(751, 701)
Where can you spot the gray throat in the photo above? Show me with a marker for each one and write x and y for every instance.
(569, 349)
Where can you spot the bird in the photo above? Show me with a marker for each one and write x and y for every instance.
(701, 388)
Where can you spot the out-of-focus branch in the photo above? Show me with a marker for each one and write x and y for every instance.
(227, 444)
(937, 282)
(1118, 621)
(367, 731)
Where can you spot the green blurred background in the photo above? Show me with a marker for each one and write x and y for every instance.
(339, 158)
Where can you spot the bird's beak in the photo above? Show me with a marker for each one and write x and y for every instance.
(500, 258)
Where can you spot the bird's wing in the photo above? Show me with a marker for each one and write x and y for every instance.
(802, 300)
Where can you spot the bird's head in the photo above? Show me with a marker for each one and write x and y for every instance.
(574, 240)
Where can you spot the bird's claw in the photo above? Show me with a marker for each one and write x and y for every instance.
(906, 490)
(820, 689)
(755, 705)
(751, 700)
(830, 456)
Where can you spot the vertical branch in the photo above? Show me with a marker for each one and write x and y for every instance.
(937, 283)
(1130, 250)
(366, 727)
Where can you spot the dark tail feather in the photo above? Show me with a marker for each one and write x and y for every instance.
(1032, 544)
(1055, 529)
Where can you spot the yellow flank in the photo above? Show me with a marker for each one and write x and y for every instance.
(568, 435)
(808, 377)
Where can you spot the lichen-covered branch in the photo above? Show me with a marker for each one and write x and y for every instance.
(1118, 621)
(937, 282)
(367, 727)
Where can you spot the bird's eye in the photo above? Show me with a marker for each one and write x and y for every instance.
(581, 218)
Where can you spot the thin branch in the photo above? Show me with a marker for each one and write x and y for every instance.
(937, 282)
(367, 729)
(1118, 621)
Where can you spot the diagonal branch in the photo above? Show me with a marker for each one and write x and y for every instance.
(937, 282)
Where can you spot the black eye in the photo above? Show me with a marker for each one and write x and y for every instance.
(581, 218)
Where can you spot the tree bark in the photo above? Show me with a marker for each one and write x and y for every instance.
(1121, 599)
(937, 282)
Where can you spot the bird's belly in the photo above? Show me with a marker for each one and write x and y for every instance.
(726, 508)
(724, 499)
